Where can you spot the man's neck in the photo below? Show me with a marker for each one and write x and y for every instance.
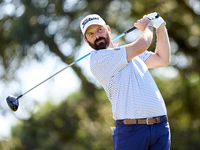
(112, 45)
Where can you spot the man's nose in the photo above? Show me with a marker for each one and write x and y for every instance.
(97, 34)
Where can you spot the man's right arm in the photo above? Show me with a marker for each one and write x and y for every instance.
(143, 42)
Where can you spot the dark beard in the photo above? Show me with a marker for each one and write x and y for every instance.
(102, 45)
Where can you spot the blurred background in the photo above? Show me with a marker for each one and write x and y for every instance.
(72, 111)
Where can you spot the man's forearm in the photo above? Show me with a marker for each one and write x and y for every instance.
(163, 45)
(141, 44)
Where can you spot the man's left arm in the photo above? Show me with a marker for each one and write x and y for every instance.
(162, 54)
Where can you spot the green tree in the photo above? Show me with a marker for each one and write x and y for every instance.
(78, 122)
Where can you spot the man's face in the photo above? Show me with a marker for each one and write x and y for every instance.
(97, 37)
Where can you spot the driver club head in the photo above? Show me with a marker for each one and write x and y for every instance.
(12, 102)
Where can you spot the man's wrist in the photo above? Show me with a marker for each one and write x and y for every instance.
(158, 22)
(163, 25)
(149, 25)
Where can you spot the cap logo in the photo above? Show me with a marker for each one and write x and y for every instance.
(89, 19)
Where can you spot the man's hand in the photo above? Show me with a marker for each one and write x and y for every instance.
(155, 21)
(151, 16)
(142, 23)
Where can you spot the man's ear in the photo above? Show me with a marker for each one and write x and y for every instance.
(86, 40)
(108, 28)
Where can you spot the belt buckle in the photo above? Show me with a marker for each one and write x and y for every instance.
(147, 120)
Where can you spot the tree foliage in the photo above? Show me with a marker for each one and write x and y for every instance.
(79, 122)
(82, 121)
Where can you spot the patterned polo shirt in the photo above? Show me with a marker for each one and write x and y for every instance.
(130, 87)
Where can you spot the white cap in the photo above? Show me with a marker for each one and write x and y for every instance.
(90, 20)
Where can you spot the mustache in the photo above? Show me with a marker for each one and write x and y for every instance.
(100, 38)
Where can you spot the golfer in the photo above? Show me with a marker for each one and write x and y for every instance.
(137, 104)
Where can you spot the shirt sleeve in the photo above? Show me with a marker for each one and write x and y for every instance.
(144, 56)
(105, 63)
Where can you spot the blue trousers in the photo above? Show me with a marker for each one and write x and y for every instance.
(142, 137)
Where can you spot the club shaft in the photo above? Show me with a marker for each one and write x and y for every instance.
(119, 36)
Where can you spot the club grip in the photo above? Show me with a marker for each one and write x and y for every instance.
(129, 30)
(158, 15)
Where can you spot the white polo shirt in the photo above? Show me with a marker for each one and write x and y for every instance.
(130, 87)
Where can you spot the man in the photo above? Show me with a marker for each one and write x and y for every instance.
(137, 105)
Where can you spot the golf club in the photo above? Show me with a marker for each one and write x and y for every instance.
(13, 101)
